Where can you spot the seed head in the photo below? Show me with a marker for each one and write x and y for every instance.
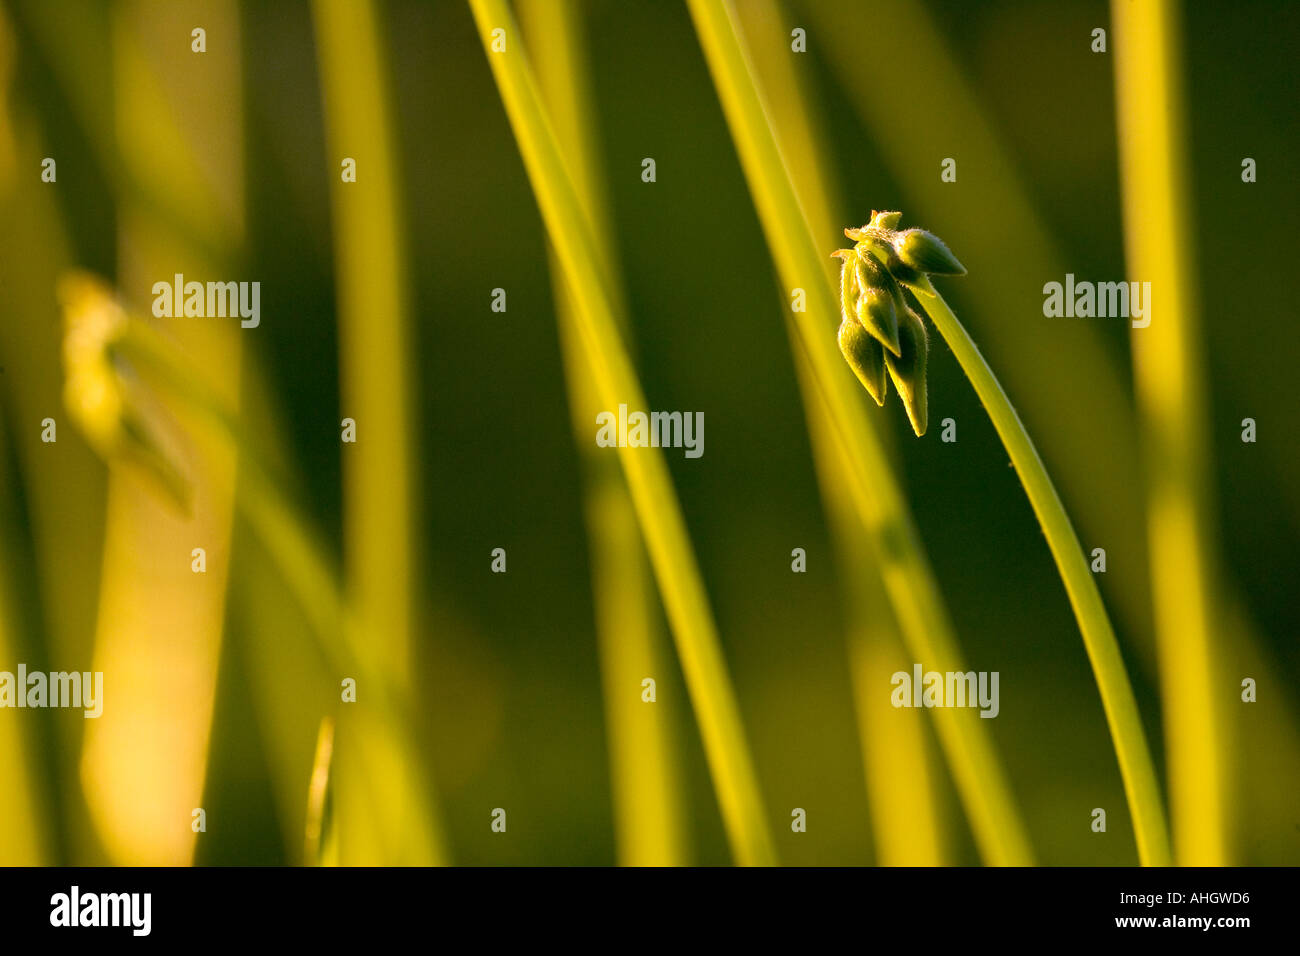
(880, 334)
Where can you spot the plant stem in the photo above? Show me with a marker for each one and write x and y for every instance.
(977, 773)
(886, 110)
(647, 474)
(1136, 767)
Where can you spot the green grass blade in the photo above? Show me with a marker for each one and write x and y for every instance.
(644, 759)
(1169, 372)
(374, 327)
(647, 475)
(901, 772)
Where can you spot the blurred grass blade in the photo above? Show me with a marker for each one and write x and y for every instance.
(144, 760)
(61, 494)
(391, 817)
(644, 761)
(896, 751)
(977, 773)
(392, 814)
(317, 838)
(647, 475)
(24, 820)
(24, 824)
(902, 788)
(1170, 376)
(374, 348)
(374, 333)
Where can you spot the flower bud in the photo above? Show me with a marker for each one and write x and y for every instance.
(878, 312)
(908, 368)
(878, 316)
(885, 220)
(925, 252)
(866, 357)
(848, 284)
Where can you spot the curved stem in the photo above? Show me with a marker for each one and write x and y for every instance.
(977, 773)
(1135, 765)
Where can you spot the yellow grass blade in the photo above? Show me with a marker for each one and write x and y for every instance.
(647, 474)
(643, 753)
(160, 624)
(896, 751)
(1170, 377)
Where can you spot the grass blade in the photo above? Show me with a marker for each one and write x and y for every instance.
(1169, 372)
(374, 349)
(647, 474)
(643, 753)
(145, 759)
(896, 751)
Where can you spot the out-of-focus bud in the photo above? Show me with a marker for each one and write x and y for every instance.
(119, 422)
(92, 390)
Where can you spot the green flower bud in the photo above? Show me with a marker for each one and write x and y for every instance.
(885, 220)
(876, 311)
(925, 252)
(904, 274)
(908, 369)
(866, 357)
(848, 284)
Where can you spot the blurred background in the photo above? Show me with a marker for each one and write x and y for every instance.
(376, 304)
